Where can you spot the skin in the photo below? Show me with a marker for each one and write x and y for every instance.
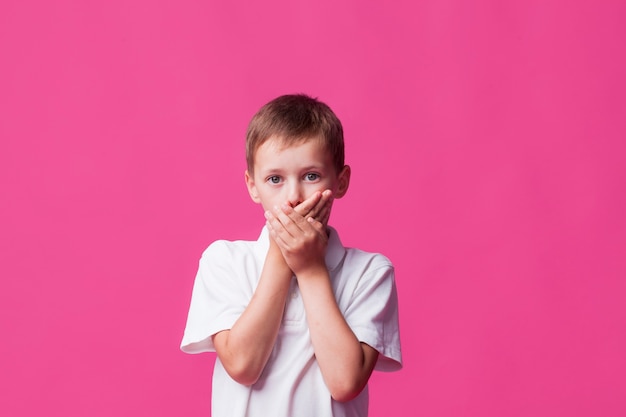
(296, 186)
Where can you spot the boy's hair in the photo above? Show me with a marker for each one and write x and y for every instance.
(293, 119)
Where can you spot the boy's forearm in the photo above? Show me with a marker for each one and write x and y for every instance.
(346, 363)
(246, 347)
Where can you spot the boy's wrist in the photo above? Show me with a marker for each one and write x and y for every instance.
(275, 256)
(312, 271)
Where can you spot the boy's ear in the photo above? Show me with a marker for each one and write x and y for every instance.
(254, 194)
(343, 181)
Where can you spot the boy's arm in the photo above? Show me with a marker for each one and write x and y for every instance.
(245, 348)
(346, 363)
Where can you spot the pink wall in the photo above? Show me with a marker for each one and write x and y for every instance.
(487, 142)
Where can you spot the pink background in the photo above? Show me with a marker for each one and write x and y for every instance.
(487, 141)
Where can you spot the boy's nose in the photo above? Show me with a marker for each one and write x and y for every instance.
(294, 196)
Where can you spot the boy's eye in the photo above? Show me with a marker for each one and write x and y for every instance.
(274, 179)
(311, 176)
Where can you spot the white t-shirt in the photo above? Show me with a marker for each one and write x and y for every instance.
(291, 384)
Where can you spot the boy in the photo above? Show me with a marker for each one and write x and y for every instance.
(298, 321)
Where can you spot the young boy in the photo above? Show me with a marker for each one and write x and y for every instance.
(298, 321)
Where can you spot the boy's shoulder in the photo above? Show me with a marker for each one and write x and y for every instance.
(223, 249)
(370, 259)
(364, 271)
(352, 257)
(356, 255)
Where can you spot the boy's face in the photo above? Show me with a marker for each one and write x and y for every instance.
(291, 174)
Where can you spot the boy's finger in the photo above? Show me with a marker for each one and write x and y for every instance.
(281, 227)
(308, 205)
(319, 226)
(324, 214)
(322, 210)
(292, 222)
(318, 209)
(277, 221)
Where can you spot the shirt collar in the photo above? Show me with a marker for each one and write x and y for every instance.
(335, 251)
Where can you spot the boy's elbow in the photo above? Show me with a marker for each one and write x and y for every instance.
(242, 368)
(244, 377)
(344, 391)
(347, 384)
(243, 373)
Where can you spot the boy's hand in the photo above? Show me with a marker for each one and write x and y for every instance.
(317, 206)
(302, 240)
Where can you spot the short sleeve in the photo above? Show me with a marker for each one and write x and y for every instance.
(218, 298)
(373, 313)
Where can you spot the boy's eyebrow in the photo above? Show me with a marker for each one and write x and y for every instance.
(313, 167)
(270, 170)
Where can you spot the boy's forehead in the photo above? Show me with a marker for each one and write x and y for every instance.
(275, 146)
(281, 143)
